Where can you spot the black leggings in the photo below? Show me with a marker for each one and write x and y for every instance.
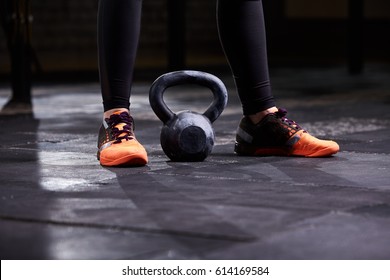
(242, 35)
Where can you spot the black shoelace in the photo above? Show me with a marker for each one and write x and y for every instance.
(126, 131)
(281, 113)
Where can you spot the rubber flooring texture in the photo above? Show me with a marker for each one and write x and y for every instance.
(57, 202)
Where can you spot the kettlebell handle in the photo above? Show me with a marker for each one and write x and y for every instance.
(175, 78)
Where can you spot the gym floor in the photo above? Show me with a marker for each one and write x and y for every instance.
(57, 202)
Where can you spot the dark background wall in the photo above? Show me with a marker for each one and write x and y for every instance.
(299, 31)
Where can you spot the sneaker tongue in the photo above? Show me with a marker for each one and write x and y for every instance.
(120, 126)
(120, 121)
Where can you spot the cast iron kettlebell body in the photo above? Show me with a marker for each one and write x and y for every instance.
(187, 135)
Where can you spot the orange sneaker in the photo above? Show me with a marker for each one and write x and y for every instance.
(277, 135)
(117, 143)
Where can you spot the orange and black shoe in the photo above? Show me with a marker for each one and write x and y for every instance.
(275, 135)
(117, 143)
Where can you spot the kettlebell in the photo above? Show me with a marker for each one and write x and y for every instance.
(187, 135)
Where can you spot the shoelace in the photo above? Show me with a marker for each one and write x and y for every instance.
(281, 113)
(126, 131)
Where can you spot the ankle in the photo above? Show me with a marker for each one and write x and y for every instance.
(108, 113)
(256, 118)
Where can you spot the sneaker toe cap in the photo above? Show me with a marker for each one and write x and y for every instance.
(125, 153)
(310, 146)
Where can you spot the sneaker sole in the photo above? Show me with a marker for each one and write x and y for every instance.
(129, 160)
(326, 152)
(248, 150)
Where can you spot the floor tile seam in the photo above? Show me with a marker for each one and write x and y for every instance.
(363, 153)
(323, 211)
(254, 180)
(369, 216)
(37, 142)
(19, 148)
(211, 177)
(187, 234)
(314, 221)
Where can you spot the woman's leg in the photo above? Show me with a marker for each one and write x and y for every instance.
(118, 33)
(119, 24)
(264, 130)
(243, 38)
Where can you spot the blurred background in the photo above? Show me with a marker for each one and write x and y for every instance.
(300, 33)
